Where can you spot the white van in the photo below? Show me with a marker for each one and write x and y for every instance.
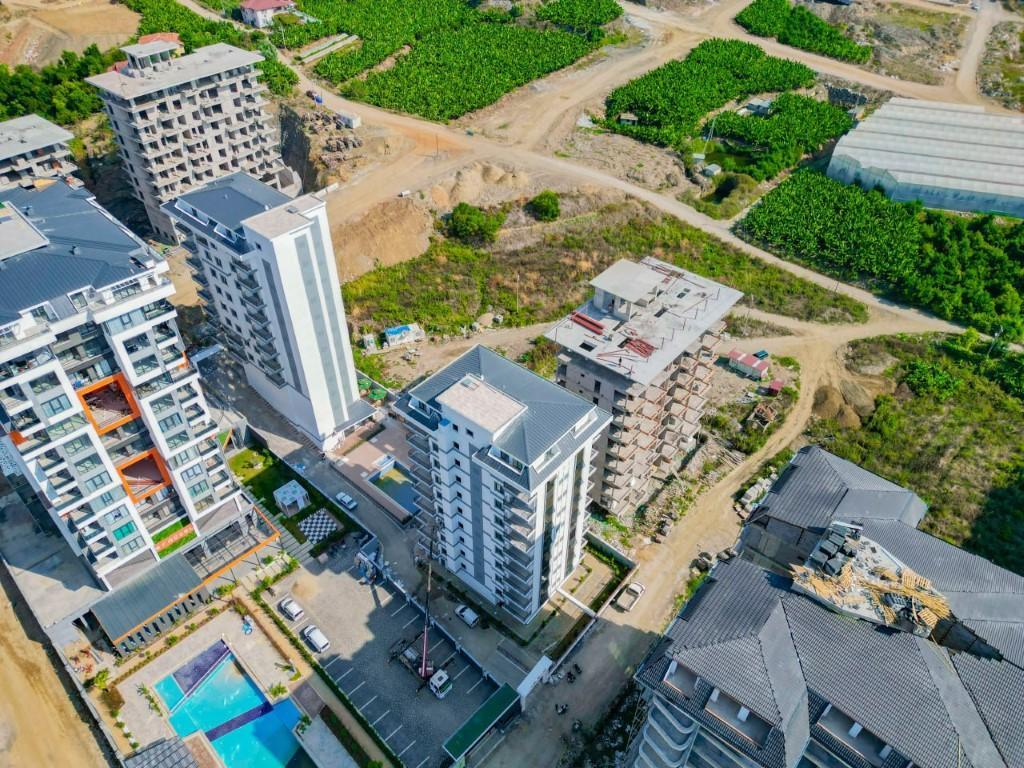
(317, 640)
(440, 684)
(468, 615)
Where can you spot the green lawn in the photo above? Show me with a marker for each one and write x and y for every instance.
(169, 530)
(263, 473)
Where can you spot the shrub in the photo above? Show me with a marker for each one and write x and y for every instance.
(796, 26)
(931, 379)
(467, 222)
(545, 206)
(579, 15)
(277, 690)
(112, 699)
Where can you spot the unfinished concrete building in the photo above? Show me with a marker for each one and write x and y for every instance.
(181, 122)
(33, 148)
(643, 348)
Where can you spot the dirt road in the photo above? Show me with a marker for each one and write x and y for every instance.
(38, 723)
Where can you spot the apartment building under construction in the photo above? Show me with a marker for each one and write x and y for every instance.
(643, 348)
(182, 121)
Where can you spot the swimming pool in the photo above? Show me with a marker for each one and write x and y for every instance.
(245, 729)
(395, 482)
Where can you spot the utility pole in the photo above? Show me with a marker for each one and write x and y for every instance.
(426, 608)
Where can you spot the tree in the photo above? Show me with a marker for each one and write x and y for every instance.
(468, 222)
(545, 206)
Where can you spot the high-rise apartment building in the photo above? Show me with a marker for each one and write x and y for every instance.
(265, 266)
(643, 348)
(182, 121)
(101, 411)
(32, 147)
(502, 460)
(843, 637)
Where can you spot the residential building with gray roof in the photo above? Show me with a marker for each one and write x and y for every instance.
(643, 347)
(906, 653)
(502, 463)
(105, 432)
(32, 147)
(182, 121)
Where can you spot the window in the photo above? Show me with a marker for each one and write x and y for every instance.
(124, 530)
(455, 427)
(114, 516)
(469, 432)
(88, 464)
(198, 489)
(456, 446)
(192, 472)
(41, 313)
(95, 483)
(134, 544)
(169, 423)
(56, 405)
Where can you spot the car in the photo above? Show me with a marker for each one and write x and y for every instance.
(440, 684)
(468, 615)
(346, 501)
(761, 354)
(405, 193)
(291, 609)
(629, 596)
(317, 640)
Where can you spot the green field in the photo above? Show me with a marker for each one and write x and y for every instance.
(796, 26)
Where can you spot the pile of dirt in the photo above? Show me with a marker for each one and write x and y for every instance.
(36, 33)
(910, 43)
(390, 232)
(481, 184)
(827, 402)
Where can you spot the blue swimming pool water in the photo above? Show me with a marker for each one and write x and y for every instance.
(265, 741)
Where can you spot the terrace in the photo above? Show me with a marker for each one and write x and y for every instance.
(108, 403)
(144, 476)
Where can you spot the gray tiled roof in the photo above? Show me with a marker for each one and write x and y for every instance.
(997, 690)
(551, 410)
(87, 247)
(232, 199)
(166, 753)
(818, 487)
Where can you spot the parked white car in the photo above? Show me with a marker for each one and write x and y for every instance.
(291, 609)
(468, 615)
(629, 596)
(346, 501)
(317, 640)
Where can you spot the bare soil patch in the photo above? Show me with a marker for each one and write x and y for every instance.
(37, 33)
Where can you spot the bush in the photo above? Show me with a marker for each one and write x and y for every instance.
(467, 222)
(112, 699)
(579, 15)
(545, 206)
(931, 379)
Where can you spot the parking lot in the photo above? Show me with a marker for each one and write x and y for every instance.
(366, 625)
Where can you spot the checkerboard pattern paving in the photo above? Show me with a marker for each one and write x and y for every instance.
(318, 526)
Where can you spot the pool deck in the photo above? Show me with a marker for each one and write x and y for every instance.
(357, 459)
(257, 655)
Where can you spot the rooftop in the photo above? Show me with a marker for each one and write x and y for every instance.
(29, 133)
(547, 412)
(201, 63)
(642, 317)
(481, 403)
(72, 243)
(940, 145)
(266, 5)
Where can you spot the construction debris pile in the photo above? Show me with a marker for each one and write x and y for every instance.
(857, 576)
(333, 140)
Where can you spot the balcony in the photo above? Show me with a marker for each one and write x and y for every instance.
(168, 379)
(109, 405)
(144, 476)
(737, 717)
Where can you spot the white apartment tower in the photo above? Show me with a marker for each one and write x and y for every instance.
(32, 147)
(502, 462)
(266, 270)
(101, 413)
(643, 348)
(183, 121)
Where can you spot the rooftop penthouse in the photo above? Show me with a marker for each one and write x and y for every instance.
(643, 316)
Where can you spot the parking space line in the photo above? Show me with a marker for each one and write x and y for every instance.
(445, 662)
(349, 672)
(462, 672)
(402, 608)
(436, 644)
(368, 703)
(354, 568)
(374, 723)
(425, 759)
(475, 684)
(349, 693)
(410, 621)
(388, 737)
(332, 661)
(300, 627)
(407, 748)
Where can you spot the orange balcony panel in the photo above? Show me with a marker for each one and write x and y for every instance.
(108, 403)
(144, 475)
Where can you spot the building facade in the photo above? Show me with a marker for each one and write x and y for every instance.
(502, 462)
(843, 637)
(266, 270)
(261, 13)
(31, 148)
(103, 415)
(643, 348)
(182, 121)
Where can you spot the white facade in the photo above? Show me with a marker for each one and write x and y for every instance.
(102, 412)
(181, 122)
(31, 147)
(510, 528)
(265, 264)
